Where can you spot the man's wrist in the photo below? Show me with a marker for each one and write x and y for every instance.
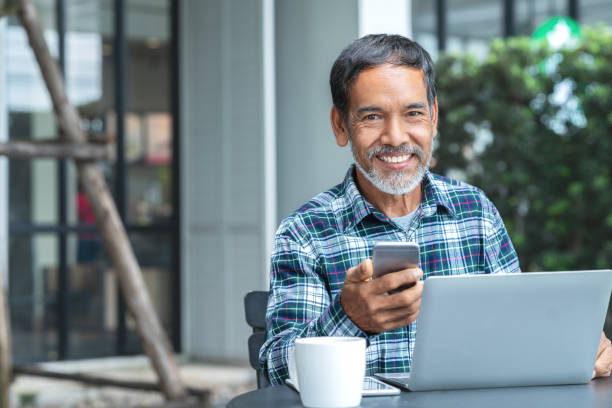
(335, 321)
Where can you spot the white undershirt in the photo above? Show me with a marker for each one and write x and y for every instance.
(405, 220)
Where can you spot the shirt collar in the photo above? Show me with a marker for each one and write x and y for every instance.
(434, 196)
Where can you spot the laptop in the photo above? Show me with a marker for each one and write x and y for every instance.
(504, 330)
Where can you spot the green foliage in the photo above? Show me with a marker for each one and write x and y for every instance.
(532, 127)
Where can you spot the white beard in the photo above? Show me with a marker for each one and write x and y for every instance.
(399, 182)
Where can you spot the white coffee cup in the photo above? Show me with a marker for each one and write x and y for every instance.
(328, 371)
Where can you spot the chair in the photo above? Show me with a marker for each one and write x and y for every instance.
(255, 304)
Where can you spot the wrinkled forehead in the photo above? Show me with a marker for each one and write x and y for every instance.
(388, 82)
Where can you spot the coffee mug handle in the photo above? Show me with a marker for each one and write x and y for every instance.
(292, 367)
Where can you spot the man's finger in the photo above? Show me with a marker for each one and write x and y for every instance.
(603, 362)
(600, 347)
(404, 298)
(603, 344)
(360, 273)
(401, 313)
(404, 320)
(394, 280)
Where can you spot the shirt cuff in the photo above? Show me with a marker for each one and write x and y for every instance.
(335, 322)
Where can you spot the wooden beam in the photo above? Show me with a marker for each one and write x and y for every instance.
(5, 347)
(203, 396)
(118, 247)
(33, 150)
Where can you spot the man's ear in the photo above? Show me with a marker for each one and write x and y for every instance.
(339, 127)
(434, 117)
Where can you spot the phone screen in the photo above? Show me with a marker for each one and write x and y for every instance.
(373, 387)
(370, 383)
(395, 256)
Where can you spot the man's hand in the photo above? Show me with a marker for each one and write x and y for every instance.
(603, 363)
(368, 302)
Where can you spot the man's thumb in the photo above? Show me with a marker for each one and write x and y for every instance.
(360, 273)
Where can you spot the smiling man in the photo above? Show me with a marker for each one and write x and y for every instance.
(385, 107)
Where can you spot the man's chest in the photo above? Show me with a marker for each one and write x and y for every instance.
(446, 248)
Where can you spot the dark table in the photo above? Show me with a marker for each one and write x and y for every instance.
(595, 394)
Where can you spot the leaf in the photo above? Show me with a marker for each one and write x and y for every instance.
(548, 174)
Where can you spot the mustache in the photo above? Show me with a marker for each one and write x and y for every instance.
(401, 149)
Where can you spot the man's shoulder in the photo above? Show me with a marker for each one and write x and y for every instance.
(465, 199)
(321, 210)
(453, 186)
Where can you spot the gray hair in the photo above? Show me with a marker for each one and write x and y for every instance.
(374, 50)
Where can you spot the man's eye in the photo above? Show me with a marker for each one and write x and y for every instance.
(414, 113)
(371, 116)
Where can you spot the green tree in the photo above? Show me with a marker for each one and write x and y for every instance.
(532, 127)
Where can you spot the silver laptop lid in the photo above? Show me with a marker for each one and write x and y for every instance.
(509, 330)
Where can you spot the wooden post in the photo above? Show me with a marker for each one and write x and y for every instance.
(32, 150)
(5, 347)
(202, 395)
(6, 7)
(154, 339)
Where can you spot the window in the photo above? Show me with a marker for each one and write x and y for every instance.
(593, 12)
(63, 293)
(530, 14)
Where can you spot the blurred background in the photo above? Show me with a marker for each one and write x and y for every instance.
(217, 113)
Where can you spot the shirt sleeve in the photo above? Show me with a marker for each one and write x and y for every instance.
(500, 255)
(299, 305)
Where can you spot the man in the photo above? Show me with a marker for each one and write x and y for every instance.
(385, 107)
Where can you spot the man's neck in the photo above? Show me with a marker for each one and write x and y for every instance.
(391, 205)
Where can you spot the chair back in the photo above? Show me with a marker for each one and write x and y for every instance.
(255, 304)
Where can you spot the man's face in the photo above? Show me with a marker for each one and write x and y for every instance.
(390, 127)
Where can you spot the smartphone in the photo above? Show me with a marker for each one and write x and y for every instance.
(395, 256)
(372, 387)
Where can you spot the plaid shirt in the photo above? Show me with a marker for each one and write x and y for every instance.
(458, 229)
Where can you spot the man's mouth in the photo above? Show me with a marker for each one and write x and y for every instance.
(394, 158)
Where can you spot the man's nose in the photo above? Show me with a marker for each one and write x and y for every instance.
(394, 132)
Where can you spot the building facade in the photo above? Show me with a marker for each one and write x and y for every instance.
(217, 113)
